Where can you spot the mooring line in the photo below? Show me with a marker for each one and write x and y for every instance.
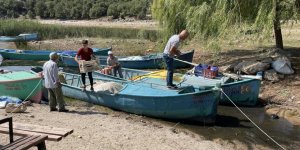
(252, 121)
(26, 99)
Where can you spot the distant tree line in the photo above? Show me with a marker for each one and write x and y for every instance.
(74, 9)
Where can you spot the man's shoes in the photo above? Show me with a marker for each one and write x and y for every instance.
(83, 87)
(63, 110)
(53, 109)
(173, 86)
(92, 89)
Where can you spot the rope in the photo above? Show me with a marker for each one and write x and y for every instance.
(252, 121)
(33, 90)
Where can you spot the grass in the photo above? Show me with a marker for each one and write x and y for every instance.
(12, 27)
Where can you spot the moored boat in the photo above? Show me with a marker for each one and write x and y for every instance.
(152, 61)
(21, 84)
(148, 99)
(20, 38)
(42, 54)
(243, 92)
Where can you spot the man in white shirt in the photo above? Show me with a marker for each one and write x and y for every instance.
(50, 73)
(171, 50)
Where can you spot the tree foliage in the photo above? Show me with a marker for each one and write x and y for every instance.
(74, 9)
(216, 19)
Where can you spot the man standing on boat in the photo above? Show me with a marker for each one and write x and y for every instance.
(171, 50)
(85, 53)
(114, 64)
(53, 85)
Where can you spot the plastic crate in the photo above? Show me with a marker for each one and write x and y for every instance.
(210, 72)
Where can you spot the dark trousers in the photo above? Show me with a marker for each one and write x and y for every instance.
(119, 70)
(90, 78)
(170, 69)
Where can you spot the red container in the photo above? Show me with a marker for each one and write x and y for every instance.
(210, 73)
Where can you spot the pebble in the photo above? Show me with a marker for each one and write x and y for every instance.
(274, 116)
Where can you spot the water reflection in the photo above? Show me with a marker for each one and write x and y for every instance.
(231, 125)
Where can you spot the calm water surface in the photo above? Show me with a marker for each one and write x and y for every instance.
(232, 125)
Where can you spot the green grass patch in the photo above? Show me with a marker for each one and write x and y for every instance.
(12, 27)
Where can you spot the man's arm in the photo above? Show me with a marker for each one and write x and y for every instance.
(76, 58)
(175, 51)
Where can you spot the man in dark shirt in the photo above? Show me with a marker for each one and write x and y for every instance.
(85, 53)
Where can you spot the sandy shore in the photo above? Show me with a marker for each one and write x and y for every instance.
(103, 128)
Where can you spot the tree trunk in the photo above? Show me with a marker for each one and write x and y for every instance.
(277, 27)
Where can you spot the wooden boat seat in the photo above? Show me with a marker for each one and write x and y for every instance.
(27, 142)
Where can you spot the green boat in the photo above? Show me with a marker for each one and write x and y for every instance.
(21, 84)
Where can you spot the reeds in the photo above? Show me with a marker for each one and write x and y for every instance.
(12, 27)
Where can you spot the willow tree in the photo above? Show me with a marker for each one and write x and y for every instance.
(216, 19)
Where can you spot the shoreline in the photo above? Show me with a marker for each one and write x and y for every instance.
(101, 128)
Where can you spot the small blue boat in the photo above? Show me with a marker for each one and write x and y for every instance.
(40, 55)
(148, 99)
(20, 38)
(243, 92)
(152, 61)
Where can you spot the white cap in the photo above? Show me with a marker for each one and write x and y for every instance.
(109, 52)
(53, 55)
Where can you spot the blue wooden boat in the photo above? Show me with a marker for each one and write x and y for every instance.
(20, 38)
(147, 99)
(41, 54)
(243, 92)
(153, 61)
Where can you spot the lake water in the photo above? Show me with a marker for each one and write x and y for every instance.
(232, 125)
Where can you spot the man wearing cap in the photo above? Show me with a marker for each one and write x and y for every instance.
(114, 64)
(170, 51)
(53, 85)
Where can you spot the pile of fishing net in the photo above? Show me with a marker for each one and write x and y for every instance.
(107, 87)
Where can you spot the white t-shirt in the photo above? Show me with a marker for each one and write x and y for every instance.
(174, 41)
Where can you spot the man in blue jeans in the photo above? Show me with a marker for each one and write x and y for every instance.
(171, 50)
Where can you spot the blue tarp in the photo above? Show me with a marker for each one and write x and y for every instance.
(10, 99)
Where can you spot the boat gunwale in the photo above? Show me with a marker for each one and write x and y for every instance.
(148, 59)
(184, 94)
(11, 81)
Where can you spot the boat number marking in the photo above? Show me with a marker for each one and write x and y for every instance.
(245, 89)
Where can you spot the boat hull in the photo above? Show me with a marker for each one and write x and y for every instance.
(20, 38)
(42, 55)
(244, 92)
(149, 62)
(197, 106)
(29, 87)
